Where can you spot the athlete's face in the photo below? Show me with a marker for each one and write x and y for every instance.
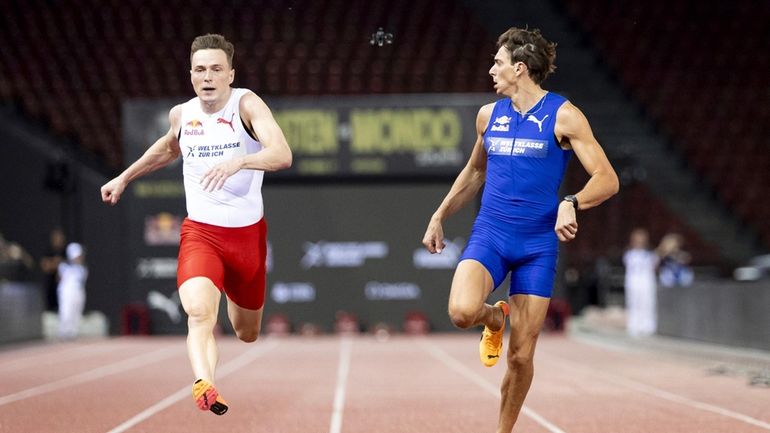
(504, 74)
(211, 75)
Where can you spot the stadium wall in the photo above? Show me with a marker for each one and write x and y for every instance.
(30, 210)
(723, 312)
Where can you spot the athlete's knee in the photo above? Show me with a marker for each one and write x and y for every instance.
(520, 356)
(199, 313)
(247, 334)
(519, 359)
(462, 316)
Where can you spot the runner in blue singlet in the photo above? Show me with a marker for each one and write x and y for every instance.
(523, 144)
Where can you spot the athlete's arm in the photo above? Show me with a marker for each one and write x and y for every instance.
(160, 154)
(275, 153)
(573, 131)
(465, 187)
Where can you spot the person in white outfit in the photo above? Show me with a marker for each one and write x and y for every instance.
(640, 285)
(71, 291)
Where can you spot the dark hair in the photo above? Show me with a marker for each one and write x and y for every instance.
(213, 42)
(532, 49)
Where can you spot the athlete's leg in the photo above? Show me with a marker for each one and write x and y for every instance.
(246, 323)
(471, 287)
(200, 300)
(527, 314)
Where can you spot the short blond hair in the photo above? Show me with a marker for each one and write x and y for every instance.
(213, 41)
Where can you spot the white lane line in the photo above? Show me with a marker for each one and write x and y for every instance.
(662, 394)
(185, 392)
(342, 379)
(474, 377)
(50, 355)
(97, 373)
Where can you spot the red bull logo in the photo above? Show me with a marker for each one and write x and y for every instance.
(194, 124)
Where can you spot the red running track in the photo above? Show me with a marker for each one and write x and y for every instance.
(362, 384)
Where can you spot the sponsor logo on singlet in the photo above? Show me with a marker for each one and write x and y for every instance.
(196, 125)
(539, 123)
(520, 147)
(499, 145)
(213, 150)
(501, 123)
(222, 120)
(530, 148)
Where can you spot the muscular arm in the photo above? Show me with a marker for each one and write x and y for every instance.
(572, 129)
(275, 154)
(465, 187)
(160, 154)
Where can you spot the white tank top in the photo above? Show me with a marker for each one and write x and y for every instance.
(207, 140)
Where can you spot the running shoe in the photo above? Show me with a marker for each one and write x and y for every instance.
(491, 344)
(207, 398)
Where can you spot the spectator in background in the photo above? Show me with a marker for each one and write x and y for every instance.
(15, 261)
(640, 263)
(674, 270)
(49, 264)
(72, 291)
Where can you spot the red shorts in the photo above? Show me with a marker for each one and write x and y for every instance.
(232, 257)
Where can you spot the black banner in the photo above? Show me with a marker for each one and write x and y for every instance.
(385, 135)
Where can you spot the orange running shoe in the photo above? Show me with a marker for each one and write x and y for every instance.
(491, 343)
(207, 398)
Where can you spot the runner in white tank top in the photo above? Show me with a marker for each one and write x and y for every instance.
(210, 139)
(227, 138)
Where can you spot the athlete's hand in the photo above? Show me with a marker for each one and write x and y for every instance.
(112, 190)
(434, 237)
(216, 177)
(566, 222)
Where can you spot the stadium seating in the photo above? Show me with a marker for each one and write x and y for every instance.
(70, 63)
(702, 80)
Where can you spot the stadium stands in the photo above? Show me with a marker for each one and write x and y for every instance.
(70, 63)
(695, 71)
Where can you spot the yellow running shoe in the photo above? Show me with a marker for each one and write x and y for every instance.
(207, 398)
(491, 343)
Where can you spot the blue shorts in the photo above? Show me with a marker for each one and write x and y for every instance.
(530, 257)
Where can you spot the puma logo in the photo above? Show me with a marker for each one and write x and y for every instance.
(221, 120)
(532, 118)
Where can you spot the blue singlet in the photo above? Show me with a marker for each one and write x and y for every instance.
(514, 230)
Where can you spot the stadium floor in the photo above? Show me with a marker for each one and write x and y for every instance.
(362, 384)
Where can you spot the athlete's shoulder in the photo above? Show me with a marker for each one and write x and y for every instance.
(482, 119)
(246, 97)
(557, 97)
(176, 110)
(192, 102)
(569, 114)
(252, 107)
(487, 109)
(175, 115)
